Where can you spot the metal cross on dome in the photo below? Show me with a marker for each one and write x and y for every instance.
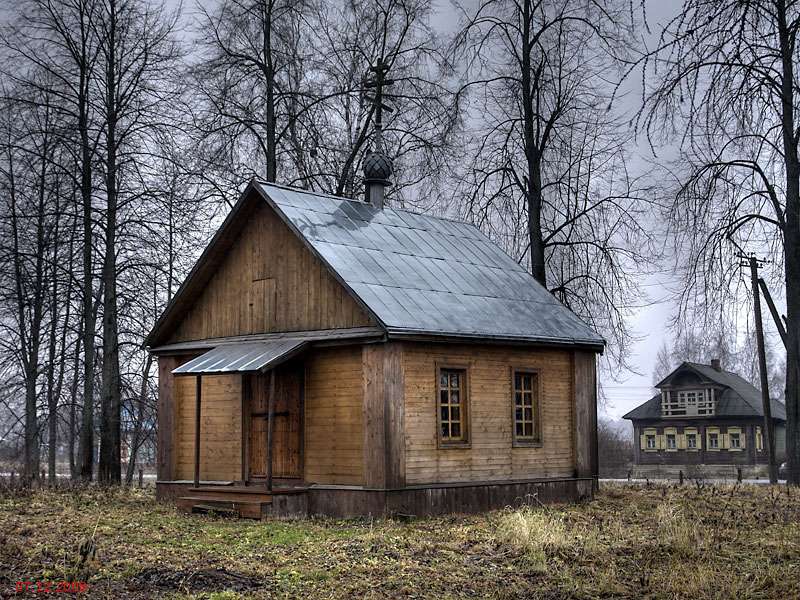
(376, 81)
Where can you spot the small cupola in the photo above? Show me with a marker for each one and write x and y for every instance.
(378, 167)
(377, 176)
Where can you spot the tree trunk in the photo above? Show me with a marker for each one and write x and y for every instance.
(269, 77)
(52, 396)
(791, 247)
(109, 468)
(86, 445)
(533, 190)
(136, 439)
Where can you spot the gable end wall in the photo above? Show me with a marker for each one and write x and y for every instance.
(268, 282)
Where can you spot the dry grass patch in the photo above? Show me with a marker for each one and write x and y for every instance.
(631, 542)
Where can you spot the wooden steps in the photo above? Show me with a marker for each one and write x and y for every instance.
(239, 501)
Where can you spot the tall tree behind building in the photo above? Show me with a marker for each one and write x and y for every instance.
(548, 173)
(727, 88)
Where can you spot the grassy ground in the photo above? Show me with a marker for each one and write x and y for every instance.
(657, 542)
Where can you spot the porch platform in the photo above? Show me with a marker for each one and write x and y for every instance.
(252, 501)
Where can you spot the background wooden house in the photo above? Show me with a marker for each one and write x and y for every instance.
(329, 356)
(704, 420)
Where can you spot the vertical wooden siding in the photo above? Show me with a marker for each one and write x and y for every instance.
(334, 421)
(490, 455)
(220, 427)
(269, 282)
(585, 385)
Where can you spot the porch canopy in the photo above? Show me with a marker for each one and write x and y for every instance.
(242, 357)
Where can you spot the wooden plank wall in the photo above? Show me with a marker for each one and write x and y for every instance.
(220, 427)
(269, 282)
(166, 436)
(585, 385)
(334, 423)
(384, 441)
(491, 455)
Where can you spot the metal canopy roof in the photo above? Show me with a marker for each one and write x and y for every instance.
(422, 275)
(239, 358)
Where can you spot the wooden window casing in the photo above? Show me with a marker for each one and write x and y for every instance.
(650, 440)
(736, 439)
(693, 439)
(713, 439)
(526, 413)
(452, 406)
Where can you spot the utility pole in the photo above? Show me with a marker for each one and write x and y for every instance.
(769, 430)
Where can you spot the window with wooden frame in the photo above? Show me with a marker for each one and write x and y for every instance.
(649, 440)
(453, 407)
(713, 439)
(736, 440)
(527, 421)
(693, 441)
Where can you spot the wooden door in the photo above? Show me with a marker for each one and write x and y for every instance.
(286, 433)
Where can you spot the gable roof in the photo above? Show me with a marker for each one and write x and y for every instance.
(415, 274)
(739, 398)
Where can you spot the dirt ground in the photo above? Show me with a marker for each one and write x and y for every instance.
(631, 542)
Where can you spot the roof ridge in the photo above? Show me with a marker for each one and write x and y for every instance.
(335, 197)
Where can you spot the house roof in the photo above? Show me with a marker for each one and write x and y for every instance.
(418, 275)
(739, 398)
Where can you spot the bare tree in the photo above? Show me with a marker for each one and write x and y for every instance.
(138, 57)
(548, 174)
(727, 88)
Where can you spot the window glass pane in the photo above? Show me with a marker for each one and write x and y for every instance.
(443, 397)
(455, 413)
(529, 429)
(519, 429)
(445, 429)
(518, 414)
(454, 397)
(526, 382)
(455, 430)
(443, 379)
(528, 414)
(517, 381)
(444, 414)
(518, 398)
(454, 380)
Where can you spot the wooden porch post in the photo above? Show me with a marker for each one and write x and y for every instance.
(270, 424)
(197, 397)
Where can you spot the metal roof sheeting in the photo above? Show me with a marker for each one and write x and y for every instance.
(426, 275)
(239, 358)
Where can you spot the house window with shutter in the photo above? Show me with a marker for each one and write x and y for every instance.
(713, 439)
(692, 439)
(649, 440)
(453, 407)
(526, 411)
(736, 441)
